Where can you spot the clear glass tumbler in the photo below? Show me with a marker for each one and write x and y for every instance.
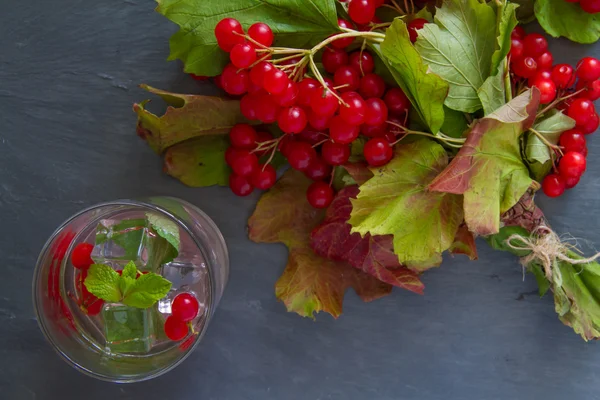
(111, 341)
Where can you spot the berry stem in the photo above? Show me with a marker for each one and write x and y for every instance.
(375, 36)
(545, 141)
(450, 141)
(319, 78)
(557, 101)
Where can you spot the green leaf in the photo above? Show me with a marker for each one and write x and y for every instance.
(188, 116)
(551, 128)
(525, 11)
(130, 270)
(103, 282)
(539, 171)
(493, 93)
(425, 90)
(455, 123)
(540, 278)
(488, 169)
(127, 234)
(396, 202)
(166, 229)
(561, 18)
(507, 21)
(498, 241)
(147, 290)
(295, 23)
(459, 48)
(199, 162)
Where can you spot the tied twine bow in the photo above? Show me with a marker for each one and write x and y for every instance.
(546, 248)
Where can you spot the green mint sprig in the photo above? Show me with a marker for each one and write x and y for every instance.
(105, 283)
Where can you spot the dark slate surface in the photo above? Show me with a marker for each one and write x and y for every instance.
(68, 76)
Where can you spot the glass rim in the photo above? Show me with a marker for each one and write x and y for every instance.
(153, 207)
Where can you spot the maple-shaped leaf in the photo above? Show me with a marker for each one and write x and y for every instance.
(310, 283)
(488, 169)
(396, 201)
(372, 254)
(188, 116)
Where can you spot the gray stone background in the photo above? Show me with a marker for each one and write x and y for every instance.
(69, 71)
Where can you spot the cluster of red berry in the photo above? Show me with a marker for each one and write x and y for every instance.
(319, 122)
(531, 60)
(184, 309)
(589, 6)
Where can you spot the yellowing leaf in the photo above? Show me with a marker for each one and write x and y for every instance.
(488, 169)
(396, 202)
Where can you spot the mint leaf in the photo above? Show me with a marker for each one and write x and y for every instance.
(127, 329)
(130, 270)
(103, 282)
(295, 23)
(560, 18)
(127, 234)
(147, 290)
(166, 229)
(459, 48)
(425, 90)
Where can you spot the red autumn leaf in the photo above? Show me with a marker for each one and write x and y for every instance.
(464, 243)
(371, 254)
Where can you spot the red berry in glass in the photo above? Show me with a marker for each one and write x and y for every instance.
(396, 101)
(319, 195)
(377, 152)
(346, 77)
(333, 59)
(581, 110)
(534, 44)
(362, 62)
(292, 120)
(261, 33)
(518, 33)
(266, 108)
(319, 122)
(517, 49)
(354, 109)
(240, 185)
(572, 140)
(94, 307)
(244, 163)
(588, 69)
(371, 85)
(229, 32)
(324, 102)
(235, 81)
(590, 6)
(185, 307)
(306, 89)
(335, 153)
(341, 131)
(289, 95)
(563, 76)
(300, 155)
(318, 169)
(242, 55)
(544, 61)
(572, 164)
(257, 73)
(361, 11)
(175, 329)
(264, 177)
(242, 136)
(414, 27)
(591, 125)
(275, 81)
(344, 42)
(547, 89)
(81, 257)
(376, 112)
(553, 185)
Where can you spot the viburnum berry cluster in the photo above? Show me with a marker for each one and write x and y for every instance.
(320, 116)
(572, 90)
(589, 6)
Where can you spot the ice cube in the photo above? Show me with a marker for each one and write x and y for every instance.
(118, 242)
(128, 329)
(183, 274)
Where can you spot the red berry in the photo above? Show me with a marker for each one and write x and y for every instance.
(374, 130)
(185, 307)
(553, 185)
(590, 6)
(318, 169)
(81, 255)
(347, 77)
(581, 110)
(516, 49)
(319, 195)
(341, 131)
(539, 75)
(518, 33)
(378, 152)
(362, 62)
(262, 137)
(292, 120)
(247, 104)
(257, 73)
(324, 102)
(242, 136)
(94, 307)
(563, 76)
(592, 90)
(535, 44)
(524, 67)
(300, 155)
(229, 33)
(333, 59)
(261, 33)
(289, 95)
(242, 55)
(361, 11)
(311, 136)
(588, 69)
(264, 177)
(335, 153)
(275, 81)
(591, 125)
(547, 89)
(266, 108)
(544, 61)
(396, 102)
(571, 182)
(354, 110)
(285, 144)
(244, 163)
(175, 329)
(240, 185)
(572, 164)
(414, 26)
(306, 89)
(376, 112)
(345, 42)
(235, 82)
(372, 85)
(319, 122)
(231, 154)
(572, 140)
